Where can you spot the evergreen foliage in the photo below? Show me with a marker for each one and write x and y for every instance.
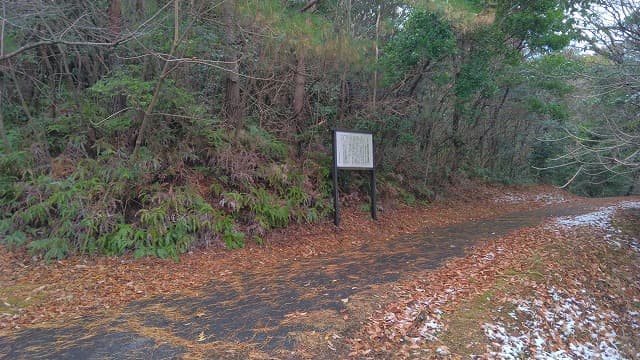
(154, 128)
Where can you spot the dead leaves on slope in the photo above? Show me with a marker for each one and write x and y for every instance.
(535, 263)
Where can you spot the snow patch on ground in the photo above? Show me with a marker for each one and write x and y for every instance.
(419, 322)
(601, 219)
(557, 325)
(554, 322)
(515, 198)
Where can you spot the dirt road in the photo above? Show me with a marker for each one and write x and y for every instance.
(279, 312)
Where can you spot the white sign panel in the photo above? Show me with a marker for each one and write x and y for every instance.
(354, 150)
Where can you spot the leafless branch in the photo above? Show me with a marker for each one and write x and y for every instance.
(572, 178)
(60, 40)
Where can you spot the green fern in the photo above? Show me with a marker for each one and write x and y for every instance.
(312, 216)
(266, 211)
(14, 239)
(233, 239)
(35, 215)
(233, 201)
(295, 196)
(53, 248)
(117, 242)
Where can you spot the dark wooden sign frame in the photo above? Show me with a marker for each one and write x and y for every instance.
(370, 168)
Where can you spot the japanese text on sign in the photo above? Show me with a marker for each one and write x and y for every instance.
(354, 150)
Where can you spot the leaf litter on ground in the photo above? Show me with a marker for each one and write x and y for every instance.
(38, 292)
(78, 286)
(564, 290)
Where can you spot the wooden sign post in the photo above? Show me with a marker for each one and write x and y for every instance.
(353, 150)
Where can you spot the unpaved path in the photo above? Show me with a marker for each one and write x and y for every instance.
(279, 312)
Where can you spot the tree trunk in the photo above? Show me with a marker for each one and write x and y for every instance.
(23, 103)
(459, 106)
(456, 136)
(115, 18)
(232, 104)
(3, 133)
(114, 11)
(428, 151)
(377, 54)
(146, 118)
(344, 98)
(140, 9)
(299, 91)
(300, 78)
(498, 108)
(489, 143)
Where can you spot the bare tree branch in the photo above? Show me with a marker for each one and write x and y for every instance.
(59, 40)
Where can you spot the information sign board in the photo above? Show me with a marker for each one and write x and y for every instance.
(354, 150)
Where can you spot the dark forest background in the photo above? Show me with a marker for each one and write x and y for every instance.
(158, 126)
